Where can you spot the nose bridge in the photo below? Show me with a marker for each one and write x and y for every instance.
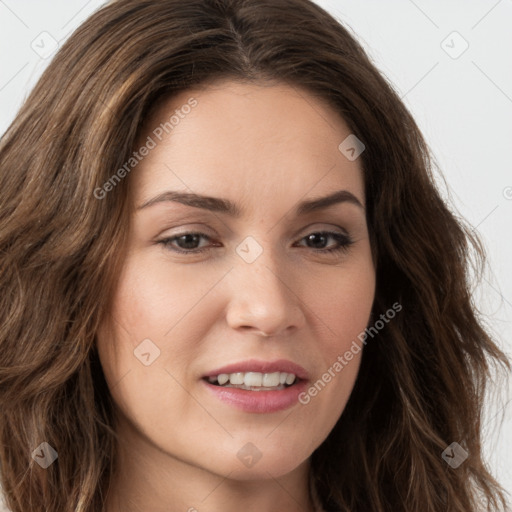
(262, 297)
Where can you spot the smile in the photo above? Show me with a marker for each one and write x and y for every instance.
(254, 381)
(257, 386)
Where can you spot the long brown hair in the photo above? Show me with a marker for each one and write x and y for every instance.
(421, 384)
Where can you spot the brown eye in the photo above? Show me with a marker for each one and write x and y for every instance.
(189, 243)
(318, 239)
(185, 243)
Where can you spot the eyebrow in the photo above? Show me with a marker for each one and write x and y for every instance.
(216, 204)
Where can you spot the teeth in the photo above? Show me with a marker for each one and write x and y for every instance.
(290, 379)
(222, 378)
(236, 378)
(271, 379)
(254, 379)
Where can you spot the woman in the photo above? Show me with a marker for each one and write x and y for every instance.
(228, 278)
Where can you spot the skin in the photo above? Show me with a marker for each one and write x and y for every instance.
(266, 148)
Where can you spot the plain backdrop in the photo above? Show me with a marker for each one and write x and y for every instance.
(450, 63)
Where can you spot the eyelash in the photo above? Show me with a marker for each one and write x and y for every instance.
(344, 240)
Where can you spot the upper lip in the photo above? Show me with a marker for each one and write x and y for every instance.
(257, 365)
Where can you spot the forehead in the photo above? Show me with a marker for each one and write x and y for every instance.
(246, 141)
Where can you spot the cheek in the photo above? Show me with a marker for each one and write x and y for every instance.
(137, 341)
(343, 303)
(147, 297)
(135, 316)
(153, 298)
(154, 325)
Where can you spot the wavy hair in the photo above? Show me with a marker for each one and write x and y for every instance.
(421, 385)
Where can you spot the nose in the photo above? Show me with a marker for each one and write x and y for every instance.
(265, 298)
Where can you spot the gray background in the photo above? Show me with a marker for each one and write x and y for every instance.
(462, 101)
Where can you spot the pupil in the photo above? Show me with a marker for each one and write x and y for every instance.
(190, 241)
(317, 235)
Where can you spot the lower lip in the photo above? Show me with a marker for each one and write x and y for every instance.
(258, 401)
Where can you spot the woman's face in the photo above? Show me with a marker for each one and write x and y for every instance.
(248, 290)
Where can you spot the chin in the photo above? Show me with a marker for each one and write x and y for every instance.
(262, 470)
(250, 463)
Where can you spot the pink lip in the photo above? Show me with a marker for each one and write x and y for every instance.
(259, 401)
(255, 365)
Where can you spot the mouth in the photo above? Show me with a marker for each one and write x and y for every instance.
(254, 381)
(257, 386)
